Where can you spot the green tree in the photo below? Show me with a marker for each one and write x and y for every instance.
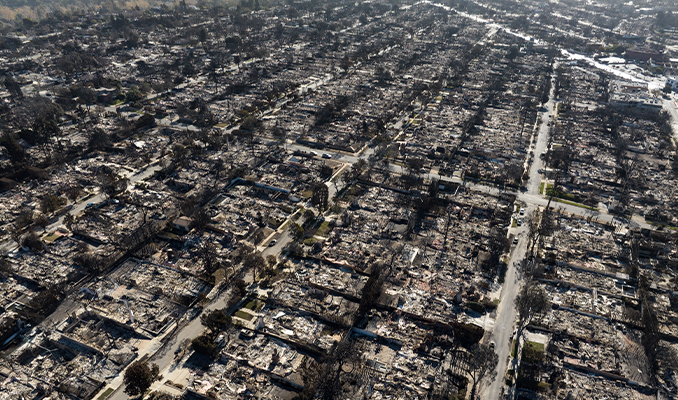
(253, 261)
(145, 121)
(33, 242)
(201, 218)
(51, 203)
(250, 123)
(415, 164)
(45, 120)
(98, 140)
(139, 376)
(319, 197)
(532, 301)
(15, 151)
(204, 344)
(371, 291)
(85, 94)
(13, 87)
(296, 231)
(208, 255)
(337, 375)
(133, 94)
(278, 133)
(6, 269)
(356, 170)
(216, 321)
(181, 154)
(69, 221)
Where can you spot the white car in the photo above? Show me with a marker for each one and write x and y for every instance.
(325, 155)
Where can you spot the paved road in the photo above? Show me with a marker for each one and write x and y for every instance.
(165, 357)
(80, 206)
(542, 140)
(282, 241)
(531, 197)
(502, 335)
(285, 238)
(506, 314)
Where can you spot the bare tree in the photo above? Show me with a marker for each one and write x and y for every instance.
(483, 361)
(338, 376)
(528, 268)
(541, 225)
(532, 301)
(111, 184)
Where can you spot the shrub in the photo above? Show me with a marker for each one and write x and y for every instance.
(477, 307)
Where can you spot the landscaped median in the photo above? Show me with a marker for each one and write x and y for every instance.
(562, 197)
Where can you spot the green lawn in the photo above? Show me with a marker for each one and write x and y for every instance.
(169, 235)
(543, 386)
(219, 275)
(323, 229)
(51, 238)
(534, 345)
(254, 305)
(559, 193)
(243, 315)
(106, 393)
(572, 203)
(565, 198)
(541, 188)
(533, 352)
(662, 225)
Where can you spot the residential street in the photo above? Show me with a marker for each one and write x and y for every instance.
(502, 335)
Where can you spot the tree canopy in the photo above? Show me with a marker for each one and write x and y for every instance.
(532, 301)
(320, 196)
(216, 321)
(483, 362)
(139, 377)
